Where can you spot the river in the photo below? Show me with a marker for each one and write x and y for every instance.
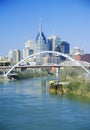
(26, 105)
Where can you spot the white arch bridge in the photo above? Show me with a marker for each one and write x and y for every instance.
(75, 63)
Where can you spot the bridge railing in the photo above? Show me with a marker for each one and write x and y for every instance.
(73, 63)
(65, 63)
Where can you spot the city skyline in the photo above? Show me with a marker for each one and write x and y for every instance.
(19, 22)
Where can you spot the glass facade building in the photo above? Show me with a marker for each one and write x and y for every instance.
(41, 45)
(64, 47)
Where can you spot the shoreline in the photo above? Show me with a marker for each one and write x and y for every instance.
(76, 93)
(78, 88)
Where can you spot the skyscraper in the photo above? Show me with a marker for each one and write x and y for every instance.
(53, 43)
(29, 48)
(41, 44)
(14, 56)
(64, 47)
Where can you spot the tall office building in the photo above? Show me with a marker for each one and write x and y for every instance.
(14, 56)
(53, 43)
(27, 52)
(41, 44)
(30, 44)
(10, 55)
(29, 48)
(64, 47)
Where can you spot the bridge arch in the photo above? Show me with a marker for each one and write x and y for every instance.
(52, 52)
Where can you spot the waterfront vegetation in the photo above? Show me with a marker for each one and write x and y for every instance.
(78, 82)
(78, 87)
(31, 73)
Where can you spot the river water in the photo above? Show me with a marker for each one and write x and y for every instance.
(26, 105)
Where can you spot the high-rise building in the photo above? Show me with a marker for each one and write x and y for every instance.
(14, 56)
(27, 52)
(64, 47)
(30, 44)
(29, 48)
(53, 43)
(41, 44)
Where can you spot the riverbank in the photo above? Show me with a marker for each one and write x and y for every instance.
(78, 88)
(26, 74)
(79, 83)
(1, 79)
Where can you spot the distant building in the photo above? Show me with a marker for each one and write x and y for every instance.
(41, 44)
(64, 47)
(30, 44)
(4, 61)
(27, 52)
(14, 56)
(76, 50)
(29, 48)
(84, 57)
(53, 43)
(54, 59)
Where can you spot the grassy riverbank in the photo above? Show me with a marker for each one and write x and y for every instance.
(78, 88)
(78, 82)
(29, 73)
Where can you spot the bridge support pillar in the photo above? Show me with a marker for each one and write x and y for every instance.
(57, 72)
(5, 78)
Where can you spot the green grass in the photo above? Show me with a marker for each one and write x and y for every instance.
(78, 87)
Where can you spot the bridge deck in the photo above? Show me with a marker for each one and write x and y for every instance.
(40, 66)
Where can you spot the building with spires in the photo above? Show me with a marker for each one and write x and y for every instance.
(41, 44)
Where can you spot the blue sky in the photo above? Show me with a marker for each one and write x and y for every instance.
(19, 21)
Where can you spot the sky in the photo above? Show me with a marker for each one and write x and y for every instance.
(20, 19)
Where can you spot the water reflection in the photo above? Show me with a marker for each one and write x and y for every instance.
(78, 98)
